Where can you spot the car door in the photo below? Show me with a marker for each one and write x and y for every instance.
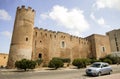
(105, 69)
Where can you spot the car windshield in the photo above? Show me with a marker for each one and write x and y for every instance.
(96, 65)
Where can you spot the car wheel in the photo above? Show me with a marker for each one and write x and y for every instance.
(110, 72)
(99, 74)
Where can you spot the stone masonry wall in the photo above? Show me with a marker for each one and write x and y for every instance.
(58, 44)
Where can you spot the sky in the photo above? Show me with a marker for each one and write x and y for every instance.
(76, 17)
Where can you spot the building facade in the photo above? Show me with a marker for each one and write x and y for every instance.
(114, 37)
(99, 45)
(33, 43)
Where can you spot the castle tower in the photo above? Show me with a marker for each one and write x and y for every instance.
(21, 43)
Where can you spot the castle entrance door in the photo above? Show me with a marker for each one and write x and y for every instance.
(40, 56)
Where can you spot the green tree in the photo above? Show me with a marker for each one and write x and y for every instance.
(107, 61)
(25, 64)
(80, 63)
(55, 63)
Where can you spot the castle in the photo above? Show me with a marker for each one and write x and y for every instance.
(32, 43)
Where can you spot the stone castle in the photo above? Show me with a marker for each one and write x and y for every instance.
(33, 43)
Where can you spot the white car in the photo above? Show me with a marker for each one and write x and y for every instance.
(99, 68)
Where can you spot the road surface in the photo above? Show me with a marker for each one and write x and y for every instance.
(56, 74)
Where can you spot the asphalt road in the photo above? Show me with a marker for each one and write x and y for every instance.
(53, 74)
(50, 74)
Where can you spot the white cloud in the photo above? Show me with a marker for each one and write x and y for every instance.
(4, 15)
(72, 19)
(6, 33)
(44, 16)
(115, 4)
(100, 21)
(92, 16)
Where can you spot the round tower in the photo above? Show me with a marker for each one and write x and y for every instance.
(21, 43)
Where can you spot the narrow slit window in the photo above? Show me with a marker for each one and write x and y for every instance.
(26, 38)
(117, 48)
(36, 33)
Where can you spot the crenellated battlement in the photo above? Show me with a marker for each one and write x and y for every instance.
(62, 35)
(23, 8)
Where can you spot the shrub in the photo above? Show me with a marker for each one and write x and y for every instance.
(94, 60)
(87, 61)
(107, 61)
(25, 64)
(65, 60)
(80, 63)
(55, 63)
(114, 59)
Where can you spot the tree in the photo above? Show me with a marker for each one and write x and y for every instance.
(107, 61)
(25, 64)
(55, 63)
(80, 63)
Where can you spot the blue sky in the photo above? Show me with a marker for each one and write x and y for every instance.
(77, 17)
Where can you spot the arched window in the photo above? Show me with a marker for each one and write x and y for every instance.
(63, 44)
(103, 49)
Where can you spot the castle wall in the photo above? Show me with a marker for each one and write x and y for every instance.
(3, 59)
(58, 44)
(100, 45)
(114, 37)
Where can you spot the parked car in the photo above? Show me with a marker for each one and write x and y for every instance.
(99, 68)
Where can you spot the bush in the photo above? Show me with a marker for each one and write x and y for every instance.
(94, 60)
(55, 63)
(80, 63)
(107, 61)
(114, 59)
(87, 61)
(65, 60)
(25, 64)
